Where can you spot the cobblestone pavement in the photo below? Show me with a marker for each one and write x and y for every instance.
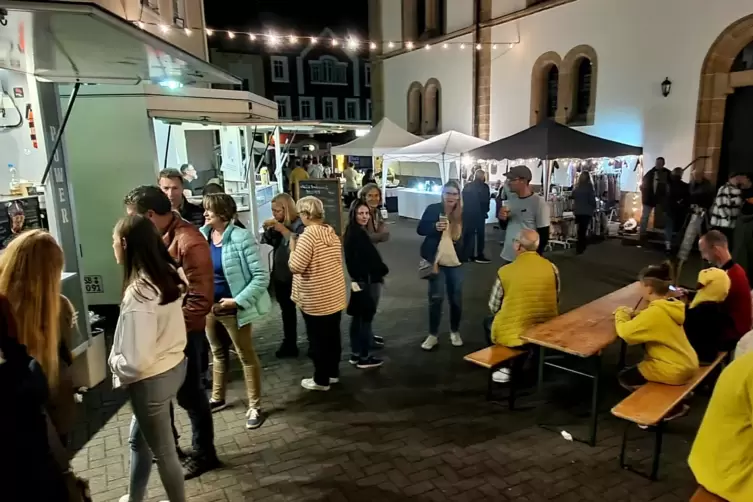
(419, 427)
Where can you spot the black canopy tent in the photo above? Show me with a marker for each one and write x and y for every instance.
(550, 140)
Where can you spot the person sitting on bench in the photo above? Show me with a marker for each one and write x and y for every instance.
(525, 294)
(706, 319)
(720, 457)
(669, 357)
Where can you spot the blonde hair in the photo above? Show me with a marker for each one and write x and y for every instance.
(455, 216)
(30, 270)
(311, 207)
(288, 207)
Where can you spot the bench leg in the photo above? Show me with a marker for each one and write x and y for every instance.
(595, 399)
(623, 355)
(623, 465)
(490, 386)
(657, 451)
(540, 386)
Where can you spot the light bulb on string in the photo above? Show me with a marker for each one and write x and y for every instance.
(334, 42)
(427, 47)
(409, 45)
(372, 45)
(251, 37)
(391, 45)
(230, 35)
(353, 43)
(444, 46)
(187, 31)
(209, 32)
(494, 47)
(313, 40)
(141, 25)
(273, 39)
(462, 46)
(478, 47)
(292, 39)
(510, 46)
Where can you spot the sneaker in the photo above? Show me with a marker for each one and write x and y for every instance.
(286, 352)
(310, 384)
(216, 406)
(126, 498)
(482, 259)
(369, 362)
(377, 342)
(197, 465)
(677, 412)
(354, 359)
(254, 418)
(430, 342)
(333, 380)
(456, 340)
(501, 376)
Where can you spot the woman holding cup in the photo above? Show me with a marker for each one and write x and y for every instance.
(442, 228)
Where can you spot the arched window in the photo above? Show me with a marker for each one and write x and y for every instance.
(744, 60)
(551, 92)
(431, 108)
(579, 85)
(582, 92)
(545, 88)
(415, 106)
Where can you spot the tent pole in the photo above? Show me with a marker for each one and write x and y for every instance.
(384, 178)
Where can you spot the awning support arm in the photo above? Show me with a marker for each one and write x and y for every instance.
(167, 145)
(59, 137)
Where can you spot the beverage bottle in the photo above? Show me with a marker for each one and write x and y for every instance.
(14, 181)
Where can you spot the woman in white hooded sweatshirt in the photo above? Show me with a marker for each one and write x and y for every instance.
(147, 352)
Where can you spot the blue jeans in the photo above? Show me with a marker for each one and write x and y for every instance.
(151, 434)
(668, 224)
(449, 279)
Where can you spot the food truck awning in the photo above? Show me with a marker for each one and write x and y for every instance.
(83, 43)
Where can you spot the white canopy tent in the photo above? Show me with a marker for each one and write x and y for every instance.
(384, 137)
(443, 149)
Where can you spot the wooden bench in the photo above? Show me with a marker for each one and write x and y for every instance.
(650, 404)
(493, 358)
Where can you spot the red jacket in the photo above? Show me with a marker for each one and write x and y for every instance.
(191, 250)
(738, 302)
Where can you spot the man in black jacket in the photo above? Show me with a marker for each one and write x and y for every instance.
(171, 184)
(654, 193)
(476, 197)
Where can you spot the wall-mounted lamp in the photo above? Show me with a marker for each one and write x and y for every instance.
(666, 87)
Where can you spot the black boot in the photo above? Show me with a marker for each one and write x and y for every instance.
(286, 351)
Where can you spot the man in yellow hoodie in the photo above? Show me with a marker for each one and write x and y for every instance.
(669, 358)
(722, 455)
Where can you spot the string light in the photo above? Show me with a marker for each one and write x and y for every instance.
(352, 43)
(494, 47)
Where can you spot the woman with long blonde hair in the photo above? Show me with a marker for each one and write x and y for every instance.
(277, 232)
(30, 277)
(442, 252)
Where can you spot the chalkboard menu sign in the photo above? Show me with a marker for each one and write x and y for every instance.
(329, 192)
(16, 215)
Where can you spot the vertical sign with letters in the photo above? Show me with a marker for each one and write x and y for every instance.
(58, 200)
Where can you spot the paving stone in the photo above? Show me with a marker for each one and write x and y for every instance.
(416, 429)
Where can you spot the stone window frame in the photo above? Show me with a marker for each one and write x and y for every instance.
(569, 85)
(539, 87)
(414, 101)
(428, 104)
(717, 82)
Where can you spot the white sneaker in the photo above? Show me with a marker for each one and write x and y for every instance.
(310, 384)
(333, 380)
(125, 498)
(456, 340)
(501, 376)
(430, 342)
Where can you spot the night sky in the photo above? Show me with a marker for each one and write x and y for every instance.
(303, 17)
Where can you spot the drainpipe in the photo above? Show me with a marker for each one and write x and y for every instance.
(476, 65)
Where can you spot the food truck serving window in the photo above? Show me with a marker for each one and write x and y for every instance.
(72, 42)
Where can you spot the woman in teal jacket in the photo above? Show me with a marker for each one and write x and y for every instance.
(240, 297)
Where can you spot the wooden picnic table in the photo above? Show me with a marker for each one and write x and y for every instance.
(584, 332)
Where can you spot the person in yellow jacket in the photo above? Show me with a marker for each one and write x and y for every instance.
(525, 294)
(298, 174)
(722, 455)
(669, 357)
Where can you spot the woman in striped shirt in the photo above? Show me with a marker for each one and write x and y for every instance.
(319, 291)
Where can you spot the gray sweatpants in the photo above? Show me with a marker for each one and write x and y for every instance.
(151, 434)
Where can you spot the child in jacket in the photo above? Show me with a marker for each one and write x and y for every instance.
(706, 318)
(669, 358)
